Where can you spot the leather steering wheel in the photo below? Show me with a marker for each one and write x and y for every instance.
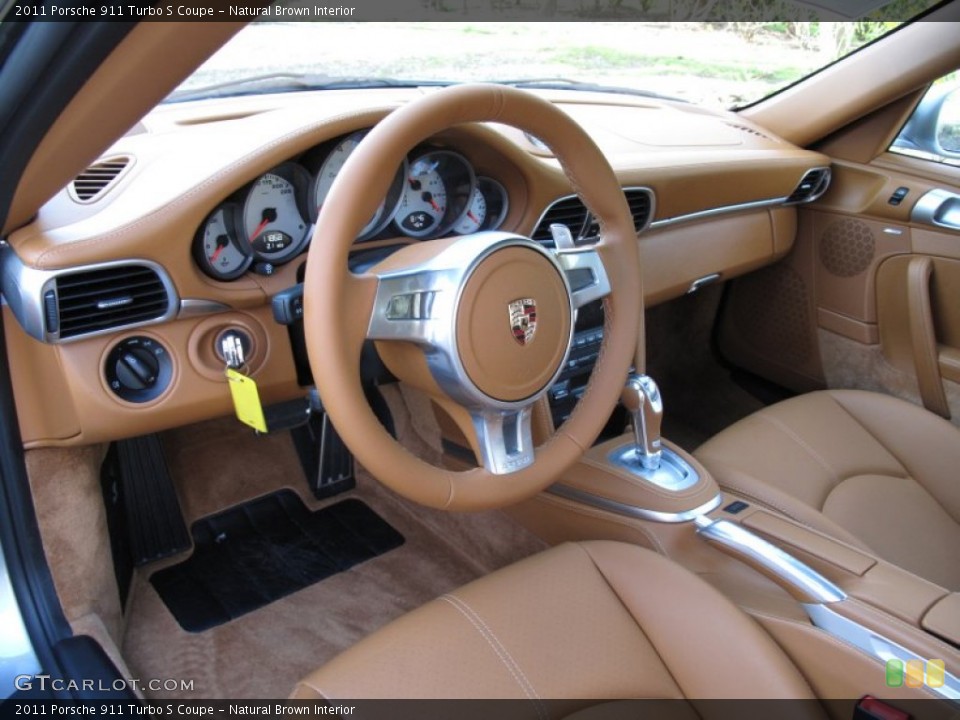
(483, 323)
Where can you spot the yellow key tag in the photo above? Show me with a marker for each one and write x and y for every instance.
(246, 400)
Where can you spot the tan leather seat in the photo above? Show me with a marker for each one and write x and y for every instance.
(875, 471)
(593, 620)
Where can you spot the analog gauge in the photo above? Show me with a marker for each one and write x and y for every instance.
(437, 190)
(217, 248)
(487, 209)
(273, 219)
(330, 168)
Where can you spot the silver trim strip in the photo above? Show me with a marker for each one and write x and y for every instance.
(673, 473)
(794, 573)
(24, 288)
(17, 656)
(619, 508)
(713, 212)
(196, 307)
(874, 644)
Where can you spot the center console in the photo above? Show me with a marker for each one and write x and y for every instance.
(828, 604)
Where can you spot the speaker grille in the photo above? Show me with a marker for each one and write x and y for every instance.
(847, 248)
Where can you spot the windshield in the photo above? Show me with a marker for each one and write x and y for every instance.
(721, 65)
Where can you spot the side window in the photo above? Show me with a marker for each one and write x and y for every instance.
(933, 131)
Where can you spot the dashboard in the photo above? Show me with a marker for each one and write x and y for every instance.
(435, 192)
(194, 227)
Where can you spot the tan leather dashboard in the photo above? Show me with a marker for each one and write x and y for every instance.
(719, 183)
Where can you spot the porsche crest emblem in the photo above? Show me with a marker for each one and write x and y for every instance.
(523, 319)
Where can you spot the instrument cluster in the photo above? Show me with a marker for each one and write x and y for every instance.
(435, 192)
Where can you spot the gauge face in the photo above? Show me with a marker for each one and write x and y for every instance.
(487, 209)
(217, 248)
(272, 220)
(437, 190)
(475, 216)
(331, 167)
(423, 204)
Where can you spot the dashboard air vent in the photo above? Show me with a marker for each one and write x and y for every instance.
(569, 211)
(106, 298)
(97, 179)
(749, 130)
(813, 184)
(572, 213)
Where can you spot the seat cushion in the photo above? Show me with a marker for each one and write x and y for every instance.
(593, 620)
(869, 469)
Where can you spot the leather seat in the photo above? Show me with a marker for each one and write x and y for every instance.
(877, 472)
(594, 620)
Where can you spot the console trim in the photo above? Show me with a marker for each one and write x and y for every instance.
(874, 644)
(614, 506)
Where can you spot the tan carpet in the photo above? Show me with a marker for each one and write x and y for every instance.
(264, 653)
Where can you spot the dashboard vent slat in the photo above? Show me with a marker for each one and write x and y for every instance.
(107, 298)
(93, 182)
(571, 212)
(812, 185)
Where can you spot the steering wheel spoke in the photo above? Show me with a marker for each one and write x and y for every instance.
(505, 439)
(585, 273)
(410, 306)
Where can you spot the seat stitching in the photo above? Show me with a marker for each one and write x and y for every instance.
(903, 465)
(786, 429)
(633, 617)
(512, 666)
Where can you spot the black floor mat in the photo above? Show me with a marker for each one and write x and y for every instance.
(249, 556)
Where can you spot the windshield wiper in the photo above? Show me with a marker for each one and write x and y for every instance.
(567, 84)
(290, 82)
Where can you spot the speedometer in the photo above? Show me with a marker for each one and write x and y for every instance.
(330, 168)
(273, 219)
(437, 190)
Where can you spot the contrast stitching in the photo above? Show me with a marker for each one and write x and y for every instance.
(471, 615)
(786, 429)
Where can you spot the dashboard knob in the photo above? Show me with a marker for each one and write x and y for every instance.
(137, 368)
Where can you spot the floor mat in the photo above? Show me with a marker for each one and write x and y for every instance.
(258, 552)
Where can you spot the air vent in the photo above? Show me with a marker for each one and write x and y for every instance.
(93, 182)
(640, 201)
(749, 131)
(813, 184)
(572, 213)
(569, 211)
(93, 301)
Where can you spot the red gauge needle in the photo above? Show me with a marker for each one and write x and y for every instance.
(433, 204)
(472, 216)
(260, 228)
(216, 253)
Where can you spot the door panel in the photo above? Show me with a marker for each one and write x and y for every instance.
(846, 295)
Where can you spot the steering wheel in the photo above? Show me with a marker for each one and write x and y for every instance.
(483, 323)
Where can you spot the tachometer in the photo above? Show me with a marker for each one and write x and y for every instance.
(330, 168)
(217, 248)
(273, 215)
(437, 189)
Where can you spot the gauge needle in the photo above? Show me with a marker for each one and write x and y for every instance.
(433, 203)
(414, 184)
(222, 242)
(269, 215)
(472, 216)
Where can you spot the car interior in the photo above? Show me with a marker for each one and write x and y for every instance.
(484, 392)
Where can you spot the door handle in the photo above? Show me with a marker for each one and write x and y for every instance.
(940, 208)
(923, 340)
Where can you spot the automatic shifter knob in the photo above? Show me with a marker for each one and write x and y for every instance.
(641, 398)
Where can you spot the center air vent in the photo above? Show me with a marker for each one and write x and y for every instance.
(571, 212)
(93, 182)
(813, 184)
(93, 301)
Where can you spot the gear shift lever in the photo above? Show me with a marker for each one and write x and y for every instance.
(641, 398)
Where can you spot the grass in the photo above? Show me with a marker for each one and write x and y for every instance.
(593, 57)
